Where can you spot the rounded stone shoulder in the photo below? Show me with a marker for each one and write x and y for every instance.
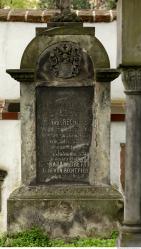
(79, 35)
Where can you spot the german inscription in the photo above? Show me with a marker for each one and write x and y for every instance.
(64, 127)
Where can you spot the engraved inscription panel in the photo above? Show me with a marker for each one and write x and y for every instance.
(64, 130)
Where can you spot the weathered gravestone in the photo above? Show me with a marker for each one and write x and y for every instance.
(65, 126)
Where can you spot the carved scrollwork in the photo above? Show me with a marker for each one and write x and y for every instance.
(131, 77)
(65, 60)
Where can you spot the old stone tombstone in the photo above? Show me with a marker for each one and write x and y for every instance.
(65, 128)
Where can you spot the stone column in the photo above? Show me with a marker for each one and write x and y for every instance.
(101, 151)
(27, 106)
(28, 133)
(130, 232)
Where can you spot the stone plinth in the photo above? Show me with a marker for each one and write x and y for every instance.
(66, 211)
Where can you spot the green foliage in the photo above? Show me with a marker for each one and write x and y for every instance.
(77, 4)
(50, 4)
(85, 243)
(29, 238)
(114, 235)
(81, 4)
(44, 4)
(35, 237)
(18, 4)
(111, 4)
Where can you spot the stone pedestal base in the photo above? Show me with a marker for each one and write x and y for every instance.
(130, 236)
(65, 211)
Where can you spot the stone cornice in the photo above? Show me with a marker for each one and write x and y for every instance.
(106, 74)
(22, 75)
(131, 77)
(28, 75)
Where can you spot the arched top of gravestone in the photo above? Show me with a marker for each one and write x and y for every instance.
(63, 63)
(84, 37)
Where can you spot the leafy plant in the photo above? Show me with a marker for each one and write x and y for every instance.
(85, 243)
(81, 4)
(111, 4)
(35, 237)
(19, 4)
(44, 4)
(114, 235)
(50, 4)
(76, 4)
(29, 238)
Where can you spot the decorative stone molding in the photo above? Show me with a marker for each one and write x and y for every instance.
(22, 75)
(106, 74)
(76, 191)
(131, 77)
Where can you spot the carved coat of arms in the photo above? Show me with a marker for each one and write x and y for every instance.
(65, 60)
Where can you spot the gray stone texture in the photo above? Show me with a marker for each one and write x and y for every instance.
(129, 60)
(130, 232)
(101, 136)
(66, 211)
(28, 145)
(133, 161)
(130, 236)
(129, 33)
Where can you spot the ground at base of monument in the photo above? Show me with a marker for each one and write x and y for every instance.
(129, 240)
(66, 211)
